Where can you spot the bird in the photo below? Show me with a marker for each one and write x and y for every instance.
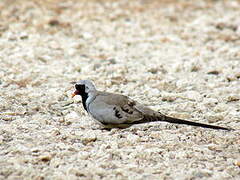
(119, 111)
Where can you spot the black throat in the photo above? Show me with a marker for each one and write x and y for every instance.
(84, 99)
(81, 91)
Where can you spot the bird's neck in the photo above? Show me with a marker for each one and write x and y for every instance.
(87, 98)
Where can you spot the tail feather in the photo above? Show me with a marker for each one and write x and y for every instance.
(179, 121)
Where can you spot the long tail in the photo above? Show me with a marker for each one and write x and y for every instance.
(179, 121)
(191, 123)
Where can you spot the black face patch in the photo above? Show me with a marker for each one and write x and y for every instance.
(81, 90)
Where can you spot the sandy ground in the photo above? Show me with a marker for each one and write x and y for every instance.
(179, 57)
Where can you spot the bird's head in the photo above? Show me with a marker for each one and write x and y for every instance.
(83, 87)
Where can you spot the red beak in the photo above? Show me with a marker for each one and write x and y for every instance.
(75, 93)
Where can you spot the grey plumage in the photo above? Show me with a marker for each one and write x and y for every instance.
(115, 110)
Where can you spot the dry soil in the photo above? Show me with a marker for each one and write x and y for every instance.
(178, 57)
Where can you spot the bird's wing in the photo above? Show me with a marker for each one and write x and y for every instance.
(109, 108)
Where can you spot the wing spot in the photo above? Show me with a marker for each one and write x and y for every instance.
(117, 113)
(129, 111)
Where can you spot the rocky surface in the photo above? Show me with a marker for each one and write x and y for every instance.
(179, 57)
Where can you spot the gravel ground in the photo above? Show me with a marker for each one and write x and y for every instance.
(179, 57)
